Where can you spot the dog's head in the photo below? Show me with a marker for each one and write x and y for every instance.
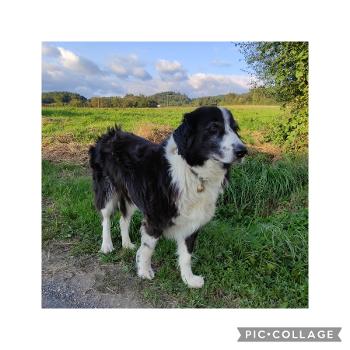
(209, 133)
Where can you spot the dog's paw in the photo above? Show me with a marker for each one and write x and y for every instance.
(128, 245)
(106, 247)
(144, 269)
(146, 273)
(195, 281)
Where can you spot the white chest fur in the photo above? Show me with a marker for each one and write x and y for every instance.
(195, 208)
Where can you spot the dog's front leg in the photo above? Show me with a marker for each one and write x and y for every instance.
(184, 250)
(149, 239)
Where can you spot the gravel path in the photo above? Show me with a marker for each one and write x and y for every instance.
(84, 282)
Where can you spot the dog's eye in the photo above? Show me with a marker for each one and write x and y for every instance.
(214, 128)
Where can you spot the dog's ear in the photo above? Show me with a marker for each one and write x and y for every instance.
(183, 135)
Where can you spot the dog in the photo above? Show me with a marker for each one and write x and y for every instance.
(175, 184)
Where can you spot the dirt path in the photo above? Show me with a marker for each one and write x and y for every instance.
(84, 282)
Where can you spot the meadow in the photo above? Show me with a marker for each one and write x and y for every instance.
(84, 124)
(253, 254)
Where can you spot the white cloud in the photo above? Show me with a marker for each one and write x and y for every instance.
(165, 66)
(62, 69)
(196, 85)
(56, 77)
(76, 63)
(65, 70)
(70, 60)
(51, 71)
(171, 70)
(141, 73)
(129, 66)
(213, 84)
(51, 51)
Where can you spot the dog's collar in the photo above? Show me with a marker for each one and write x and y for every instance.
(200, 187)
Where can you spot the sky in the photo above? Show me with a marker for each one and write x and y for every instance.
(119, 68)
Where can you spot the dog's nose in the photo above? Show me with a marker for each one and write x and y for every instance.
(240, 151)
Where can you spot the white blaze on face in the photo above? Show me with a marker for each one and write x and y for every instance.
(230, 140)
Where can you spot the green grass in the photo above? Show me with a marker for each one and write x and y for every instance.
(260, 187)
(83, 125)
(253, 254)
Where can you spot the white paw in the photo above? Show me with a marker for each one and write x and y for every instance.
(144, 269)
(106, 247)
(195, 281)
(146, 273)
(128, 245)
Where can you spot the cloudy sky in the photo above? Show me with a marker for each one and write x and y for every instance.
(118, 68)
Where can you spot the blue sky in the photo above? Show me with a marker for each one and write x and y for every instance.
(117, 68)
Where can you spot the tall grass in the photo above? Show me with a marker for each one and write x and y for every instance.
(259, 186)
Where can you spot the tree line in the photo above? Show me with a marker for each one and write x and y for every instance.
(256, 96)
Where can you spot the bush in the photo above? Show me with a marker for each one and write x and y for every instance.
(290, 132)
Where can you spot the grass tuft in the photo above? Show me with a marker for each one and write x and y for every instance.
(260, 185)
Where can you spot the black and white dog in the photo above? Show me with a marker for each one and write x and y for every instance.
(174, 184)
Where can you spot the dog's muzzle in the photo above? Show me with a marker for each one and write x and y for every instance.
(240, 151)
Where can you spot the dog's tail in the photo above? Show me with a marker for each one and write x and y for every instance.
(96, 158)
(99, 180)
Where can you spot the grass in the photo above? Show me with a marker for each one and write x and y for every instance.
(260, 187)
(253, 254)
(83, 125)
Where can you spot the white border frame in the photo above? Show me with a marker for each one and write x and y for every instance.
(26, 24)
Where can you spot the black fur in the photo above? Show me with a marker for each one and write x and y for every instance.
(192, 138)
(190, 241)
(137, 171)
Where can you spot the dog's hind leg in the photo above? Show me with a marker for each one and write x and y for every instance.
(149, 239)
(107, 211)
(124, 223)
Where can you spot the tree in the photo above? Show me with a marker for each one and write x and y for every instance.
(62, 98)
(152, 103)
(171, 98)
(282, 68)
(47, 100)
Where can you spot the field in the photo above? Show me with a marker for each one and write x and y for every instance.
(254, 253)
